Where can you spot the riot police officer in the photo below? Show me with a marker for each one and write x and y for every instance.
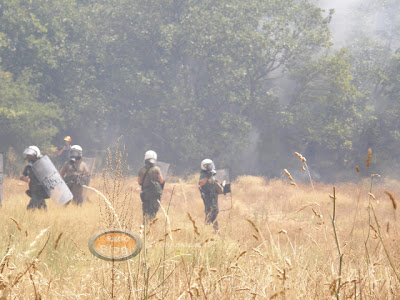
(152, 182)
(75, 173)
(209, 190)
(36, 191)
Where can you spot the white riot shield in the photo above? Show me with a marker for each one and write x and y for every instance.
(164, 167)
(223, 178)
(1, 179)
(90, 162)
(222, 174)
(51, 180)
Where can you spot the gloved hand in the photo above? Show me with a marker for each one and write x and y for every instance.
(209, 175)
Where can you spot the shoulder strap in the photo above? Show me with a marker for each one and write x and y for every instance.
(144, 177)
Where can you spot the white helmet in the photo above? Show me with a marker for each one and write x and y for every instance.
(32, 150)
(151, 156)
(207, 164)
(76, 151)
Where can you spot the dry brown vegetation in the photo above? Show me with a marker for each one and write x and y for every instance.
(277, 242)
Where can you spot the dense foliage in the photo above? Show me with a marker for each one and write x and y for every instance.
(245, 82)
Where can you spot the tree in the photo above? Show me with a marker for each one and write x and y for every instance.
(23, 120)
(325, 116)
(187, 77)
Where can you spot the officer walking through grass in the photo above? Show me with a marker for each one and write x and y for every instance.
(209, 190)
(75, 173)
(36, 191)
(152, 183)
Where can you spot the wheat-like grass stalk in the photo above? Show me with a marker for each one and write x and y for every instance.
(383, 245)
(168, 224)
(259, 233)
(292, 182)
(392, 199)
(112, 209)
(58, 240)
(259, 252)
(196, 230)
(151, 224)
(369, 157)
(6, 258)
(240, 255)
(305, 168)
(34, 262)
(37, 238)
(301, 157)
(201, 284)
(288, 174)
(337, 243)
(16, 223)
(165, 239)
(253, 225)
(283, 231)
(319, 216)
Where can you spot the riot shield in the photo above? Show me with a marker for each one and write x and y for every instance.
(164, 167)
(1, 179)
(91, 163)
(222, 174)
(51, 180)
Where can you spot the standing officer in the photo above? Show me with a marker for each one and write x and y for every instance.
(152, 183)
(209, 190)
(75, 173)
(36, 191)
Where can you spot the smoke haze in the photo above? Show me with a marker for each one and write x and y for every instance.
(353, 18)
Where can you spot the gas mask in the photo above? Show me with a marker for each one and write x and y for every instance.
(74, 155)
(30, 158)
(210, 169)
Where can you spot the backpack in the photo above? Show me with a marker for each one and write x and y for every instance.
(154, 186)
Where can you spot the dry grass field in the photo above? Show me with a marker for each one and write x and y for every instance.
(277, 242)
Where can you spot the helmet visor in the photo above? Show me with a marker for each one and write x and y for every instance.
(75, 153)
(29, 152)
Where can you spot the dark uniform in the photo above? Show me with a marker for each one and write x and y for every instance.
(76, 174)
(36, 190)
(65, 154)
(151, 190)
(209, 192)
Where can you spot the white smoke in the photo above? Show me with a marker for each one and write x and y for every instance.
(344, 19)
(354, 18)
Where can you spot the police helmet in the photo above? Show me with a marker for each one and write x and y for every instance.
(207, 165)
(31, 151)
(76, 151)
(150, 156)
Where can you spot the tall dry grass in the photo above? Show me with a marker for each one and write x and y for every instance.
(276, 242)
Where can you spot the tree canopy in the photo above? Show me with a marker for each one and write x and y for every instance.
(244, 82)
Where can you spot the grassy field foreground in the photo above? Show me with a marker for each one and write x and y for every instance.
(277, 242)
